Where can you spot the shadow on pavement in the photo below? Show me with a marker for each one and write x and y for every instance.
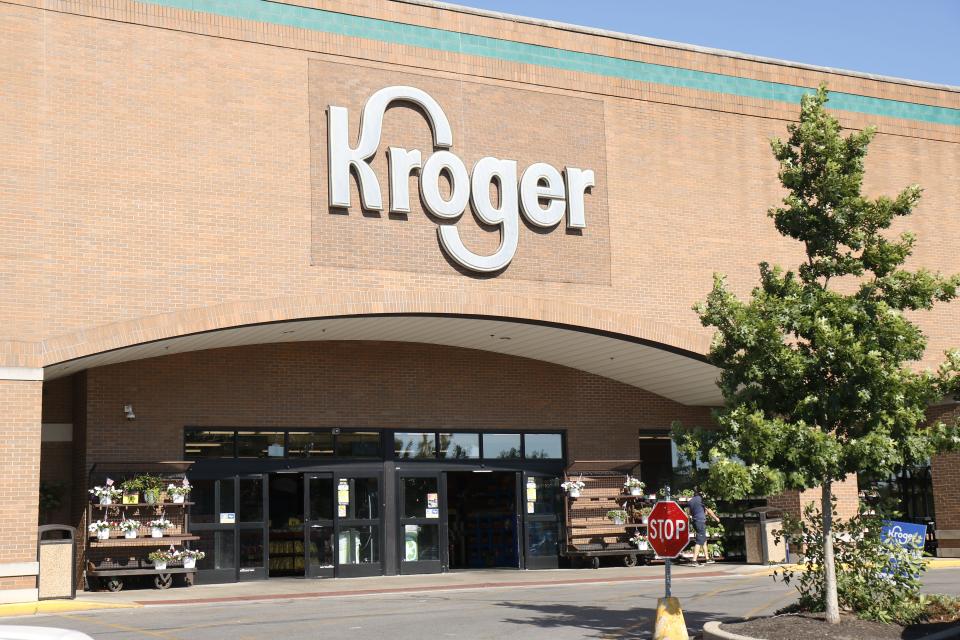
(603, 622)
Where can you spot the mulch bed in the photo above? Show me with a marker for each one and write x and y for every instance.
(811, 626)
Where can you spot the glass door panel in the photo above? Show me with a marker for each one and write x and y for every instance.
(422, 522)
(358, 527)
(542, 504)
(319, 524)
(251, 528)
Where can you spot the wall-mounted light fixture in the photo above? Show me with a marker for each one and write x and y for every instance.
(128, 412)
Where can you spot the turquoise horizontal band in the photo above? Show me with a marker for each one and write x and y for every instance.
(507, 50)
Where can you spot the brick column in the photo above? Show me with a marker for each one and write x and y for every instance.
(945, 474)
(793, 502)
(21, 400)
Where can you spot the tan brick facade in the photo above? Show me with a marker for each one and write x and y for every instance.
(163, 176)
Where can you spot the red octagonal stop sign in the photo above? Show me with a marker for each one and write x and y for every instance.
(668, 529)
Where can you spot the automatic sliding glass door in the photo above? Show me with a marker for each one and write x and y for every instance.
(359, 531)
(422, 534)
(319, 528)
(542, 503)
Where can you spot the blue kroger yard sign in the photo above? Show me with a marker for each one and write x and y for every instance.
(905, 534)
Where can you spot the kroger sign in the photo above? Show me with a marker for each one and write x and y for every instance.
(542, 193)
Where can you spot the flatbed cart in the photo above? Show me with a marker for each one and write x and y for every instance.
(590, 536)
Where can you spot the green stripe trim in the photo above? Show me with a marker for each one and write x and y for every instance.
(507, 50)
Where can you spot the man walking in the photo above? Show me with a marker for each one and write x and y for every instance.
(699, 513)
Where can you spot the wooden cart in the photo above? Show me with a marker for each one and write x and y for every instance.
(589, 534)
(110, 562)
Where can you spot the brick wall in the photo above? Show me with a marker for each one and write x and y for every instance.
(846, 492)
(20, 410)
(363, 384)
(945, 472)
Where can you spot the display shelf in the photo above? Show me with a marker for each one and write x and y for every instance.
(146, 541)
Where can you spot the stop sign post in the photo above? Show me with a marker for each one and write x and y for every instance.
(668, 530)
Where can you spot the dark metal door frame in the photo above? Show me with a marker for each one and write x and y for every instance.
(422, 566)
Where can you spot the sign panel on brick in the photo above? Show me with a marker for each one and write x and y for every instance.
(432, 175)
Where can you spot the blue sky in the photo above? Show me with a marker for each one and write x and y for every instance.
(916, 39)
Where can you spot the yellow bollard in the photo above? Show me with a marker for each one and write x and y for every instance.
(669, 624)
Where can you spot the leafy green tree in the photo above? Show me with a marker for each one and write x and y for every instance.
(815, 365)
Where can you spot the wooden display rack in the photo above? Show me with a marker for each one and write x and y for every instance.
(105, 566)
(590, 535)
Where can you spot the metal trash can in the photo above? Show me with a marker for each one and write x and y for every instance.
(759, 540)
(57, 555)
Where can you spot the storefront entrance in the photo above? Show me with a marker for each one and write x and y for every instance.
(423, 509)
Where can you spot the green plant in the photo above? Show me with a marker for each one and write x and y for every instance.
(645, 511)
(132, 485)
(617, 514)
(51, 495)
(150, 483)
(876, 580)
(816, 377)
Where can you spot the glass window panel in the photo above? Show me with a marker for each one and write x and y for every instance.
(219, 549)
(419, 494)
(358, 444)
(548, 495)
(310, 444)
(359, 545)
(320, 550)
(364, 498)
(203, 496)
(543, 539)
(421, 542)
(251, 500)
(321, 498)
(415, 445)
(199, 444)
(460, 446)
(548, 446)
(503, 446)
(260, 444)
(228, 492)
(251, 548)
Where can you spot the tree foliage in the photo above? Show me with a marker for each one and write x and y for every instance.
(816, 366)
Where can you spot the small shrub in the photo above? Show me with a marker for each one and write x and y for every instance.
(876, 580)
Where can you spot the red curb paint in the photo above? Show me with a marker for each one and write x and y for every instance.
(455, 587)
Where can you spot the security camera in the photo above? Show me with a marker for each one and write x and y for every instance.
(128, 412)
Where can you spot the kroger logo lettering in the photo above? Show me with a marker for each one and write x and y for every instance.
(542, 194)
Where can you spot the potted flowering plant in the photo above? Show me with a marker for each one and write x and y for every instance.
(101, 528)
(161, 557)
(619, 516)
(634, 486)
(640, 540)
(573, 487)
(158, 526)
(106, 493)
(151, 486)
(685, 495)
(129, 527)
(190, 557)
(645, 514)
(131, 491)
(179, 492)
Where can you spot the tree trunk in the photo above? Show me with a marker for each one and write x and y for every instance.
(829, 566)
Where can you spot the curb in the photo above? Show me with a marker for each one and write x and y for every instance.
(59, 606)
(712, 631)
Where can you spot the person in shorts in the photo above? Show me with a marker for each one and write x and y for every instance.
(698, 516)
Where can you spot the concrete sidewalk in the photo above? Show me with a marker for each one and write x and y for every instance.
(300, 588)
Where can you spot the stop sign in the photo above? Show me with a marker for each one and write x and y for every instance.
(668, 529)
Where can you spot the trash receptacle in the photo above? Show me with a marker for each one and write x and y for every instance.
(759, 540)
(57, 556)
